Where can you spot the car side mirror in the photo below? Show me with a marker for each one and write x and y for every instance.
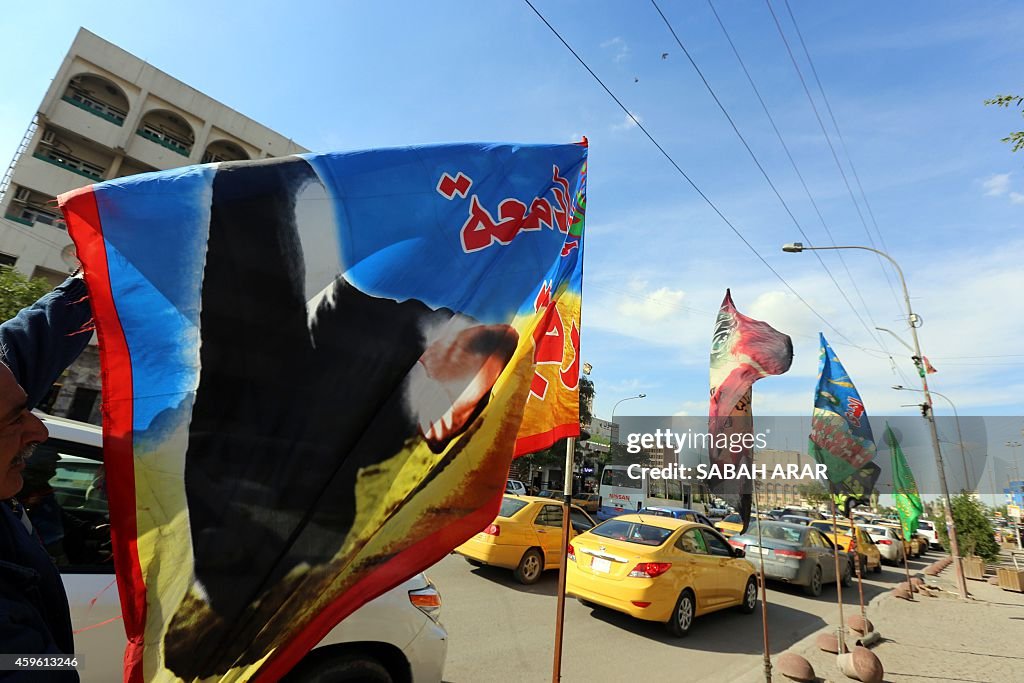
(739, 552)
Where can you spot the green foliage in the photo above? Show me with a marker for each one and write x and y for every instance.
(814, 493)
(586, 399)
(973, 530)
(18, 291)
(1016, 138)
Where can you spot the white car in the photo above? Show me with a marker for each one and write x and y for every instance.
(887, 541)
(396, 637)
(927, 529)
(515, 487)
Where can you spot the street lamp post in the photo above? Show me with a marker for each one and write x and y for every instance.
(959, 434)
(914, 320)
(628, 398)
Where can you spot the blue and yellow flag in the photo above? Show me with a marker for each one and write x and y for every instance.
(316, 372)
(904, 488)
(841, 437)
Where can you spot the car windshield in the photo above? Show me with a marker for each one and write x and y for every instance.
(777, 532)
(927, 526)
(876, 530)
(825, 526)
(510, 506)
(633, 532)
(733, 519)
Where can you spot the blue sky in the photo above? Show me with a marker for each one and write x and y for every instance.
(906, 82)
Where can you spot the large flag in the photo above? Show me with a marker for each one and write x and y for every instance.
(743, 350)
(316, 372)
(904, 488)
(841, 437)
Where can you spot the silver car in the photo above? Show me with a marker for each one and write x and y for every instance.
(794, 553)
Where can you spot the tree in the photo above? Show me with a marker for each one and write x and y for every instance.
(18, 291)
(973, 531)
(814, 493)
(1016, 139)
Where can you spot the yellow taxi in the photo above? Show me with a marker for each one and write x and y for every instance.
(525, 537)
(870, 557)
(732, 524)
(659, 569)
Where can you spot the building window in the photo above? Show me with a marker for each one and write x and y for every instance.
(54, 277)
(169, 130)
(82, 404)
(223, 150)
(97, 96)
(7, 261)
(70, 162)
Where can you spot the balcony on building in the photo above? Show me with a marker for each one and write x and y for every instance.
(169, 130)
(72, 153)
(98, 96)
(224, 150)
(29, 207)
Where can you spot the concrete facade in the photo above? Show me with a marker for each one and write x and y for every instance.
(107, 114)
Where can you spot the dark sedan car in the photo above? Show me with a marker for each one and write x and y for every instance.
(794, 553)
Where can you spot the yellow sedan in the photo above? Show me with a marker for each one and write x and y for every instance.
(659, 569)
(870, 557)
(732, 524)
(525, 537)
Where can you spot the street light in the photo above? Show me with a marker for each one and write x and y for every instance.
(959, 434)
(915, 321)
(629, 398)
(905, 344)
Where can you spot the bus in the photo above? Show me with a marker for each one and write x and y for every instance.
(620, 493)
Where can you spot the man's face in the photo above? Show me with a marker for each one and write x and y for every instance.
(20, 430)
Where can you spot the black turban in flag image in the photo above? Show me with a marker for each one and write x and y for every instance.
(317, 370)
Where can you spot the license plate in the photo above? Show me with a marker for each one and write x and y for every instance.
(756, 550)
(600, 565)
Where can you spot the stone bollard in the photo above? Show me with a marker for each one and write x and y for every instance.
(860, 625)
(861, 665)
(794, 667)
(828, 642)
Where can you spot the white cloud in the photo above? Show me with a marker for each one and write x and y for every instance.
(630, 121)
(1016, 198)
(619, 46)
(996, 184)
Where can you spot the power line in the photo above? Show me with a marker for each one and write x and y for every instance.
(681, 172)
(842, 143)
(828, 140)
(871, 333)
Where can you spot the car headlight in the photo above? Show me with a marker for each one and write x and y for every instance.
(427, 600)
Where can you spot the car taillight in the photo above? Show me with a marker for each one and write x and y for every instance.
(649, 570)
(884, 541)
(640, 603)
(798, 554)
(572, 553)
(737, 544)
(427, 600)
(493, 530)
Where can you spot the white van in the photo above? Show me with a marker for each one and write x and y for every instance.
(396, 637)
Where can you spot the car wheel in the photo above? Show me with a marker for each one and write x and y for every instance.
(814, 587)
(530, 567)
(475, 563)
(878, 567)
(682, 616)
(749, 597)
(348, 668)
(847, 574)
(863, 565)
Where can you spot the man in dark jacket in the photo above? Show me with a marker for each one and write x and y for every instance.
(35, 348)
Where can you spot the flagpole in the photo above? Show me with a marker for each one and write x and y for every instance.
(764, 591)
(841, 637)
(910, 587)
(914, 321)
(860, 576)
(570, 448)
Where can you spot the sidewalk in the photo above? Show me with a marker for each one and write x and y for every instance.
(935, 639)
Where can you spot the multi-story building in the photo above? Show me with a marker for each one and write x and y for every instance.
(107, 114)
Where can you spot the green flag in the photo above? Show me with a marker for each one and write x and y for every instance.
(908, 502)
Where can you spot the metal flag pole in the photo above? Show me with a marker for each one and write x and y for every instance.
(841, 632)
(906, 567)
(855, 545)
(570, 449)
(764, 591)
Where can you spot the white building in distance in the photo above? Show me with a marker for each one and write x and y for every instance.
(107, 114)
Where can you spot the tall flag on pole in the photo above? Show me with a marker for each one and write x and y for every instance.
(743, 350)
(316, 372)
(904, 488)
(841, 437)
